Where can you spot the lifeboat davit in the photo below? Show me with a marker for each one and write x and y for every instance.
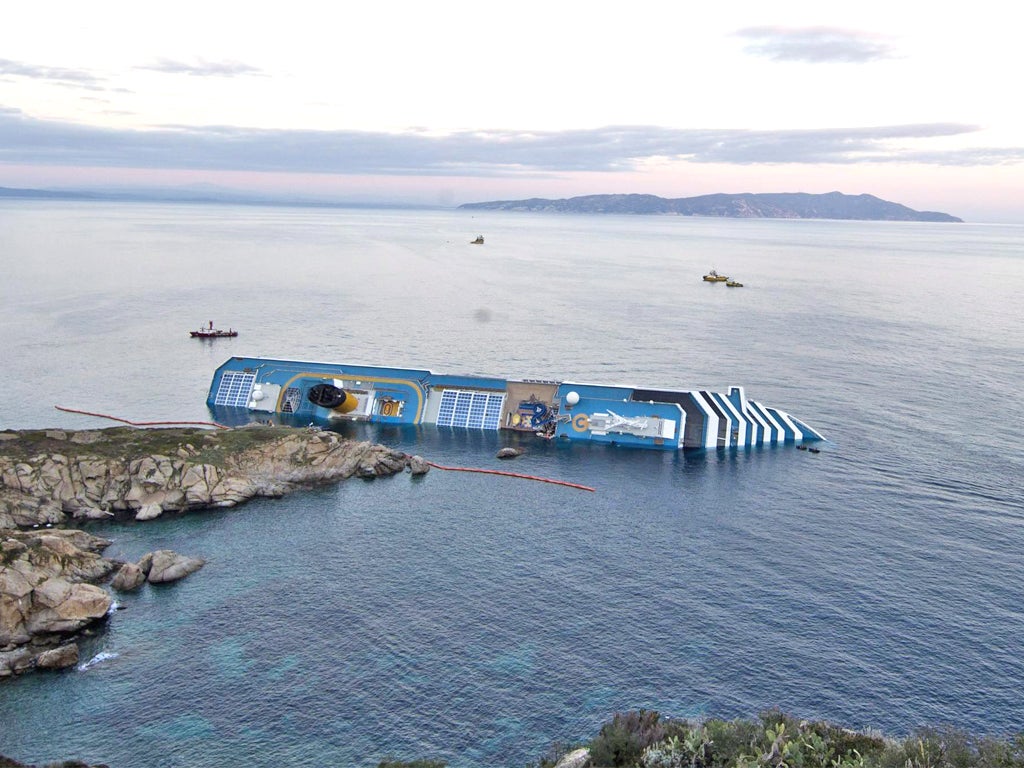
(330, 396)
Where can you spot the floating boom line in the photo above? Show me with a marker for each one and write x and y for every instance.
(513, 474)
(144, 423)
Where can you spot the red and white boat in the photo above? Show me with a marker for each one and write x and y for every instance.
(210, 332)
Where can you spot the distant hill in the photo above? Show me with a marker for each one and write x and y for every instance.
(781, 205)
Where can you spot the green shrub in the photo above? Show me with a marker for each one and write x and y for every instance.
(729, 739)
(953, 748)
(687, 746)
(777, 740)
(622, 741)
(845, 742)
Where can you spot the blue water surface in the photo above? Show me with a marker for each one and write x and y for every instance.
(477, 619)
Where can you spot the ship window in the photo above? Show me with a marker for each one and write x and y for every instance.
(234, 389)
(473, 410)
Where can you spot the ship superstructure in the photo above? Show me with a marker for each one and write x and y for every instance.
(623, 415)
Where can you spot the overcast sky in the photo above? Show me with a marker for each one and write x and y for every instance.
(452, 102)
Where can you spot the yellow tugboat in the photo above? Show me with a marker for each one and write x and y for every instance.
(714, 277)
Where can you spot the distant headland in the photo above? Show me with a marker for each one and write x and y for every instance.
(781, 205)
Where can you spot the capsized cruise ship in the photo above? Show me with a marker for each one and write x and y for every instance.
(664, 419)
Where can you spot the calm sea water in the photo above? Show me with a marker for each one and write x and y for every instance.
(477, 619)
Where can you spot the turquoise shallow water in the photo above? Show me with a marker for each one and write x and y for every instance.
(474, 618)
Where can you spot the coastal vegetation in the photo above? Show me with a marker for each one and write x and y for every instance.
(211, 446)
(645, 739)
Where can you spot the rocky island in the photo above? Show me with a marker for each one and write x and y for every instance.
(52, 575)
(781, 205)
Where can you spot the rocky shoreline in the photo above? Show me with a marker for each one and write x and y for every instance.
(53, 576)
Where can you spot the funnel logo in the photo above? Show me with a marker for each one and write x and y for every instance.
(581, 422)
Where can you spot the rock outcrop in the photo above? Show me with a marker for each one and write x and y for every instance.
(50, 475)
(45, 597)
(6, 762)
(578, 758)
(49, 575)
(418, 465)
(58, 658)
(128, 577)
(164, 565)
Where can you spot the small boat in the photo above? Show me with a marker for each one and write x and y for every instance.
(479, 240)
(733, 284)
(714, 277)
(209, 332)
